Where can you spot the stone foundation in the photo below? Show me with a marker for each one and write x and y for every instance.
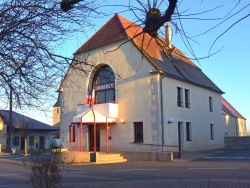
(133, 156)
(237, 141)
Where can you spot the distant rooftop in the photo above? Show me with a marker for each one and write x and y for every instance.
(18, 120)
(230, 110)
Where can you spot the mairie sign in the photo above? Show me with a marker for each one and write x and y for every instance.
(104, 86)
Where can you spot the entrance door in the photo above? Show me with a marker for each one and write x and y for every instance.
(91, 137)
(180, 137)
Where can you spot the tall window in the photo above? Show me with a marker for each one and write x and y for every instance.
(187, 98)
(179, 97)
(31, 140)
(104, 85)
(188, 131)
(210, 104)
(138, 131)
(212, 131)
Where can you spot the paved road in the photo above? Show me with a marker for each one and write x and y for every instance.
(210, 169)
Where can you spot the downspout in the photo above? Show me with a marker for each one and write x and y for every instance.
(161, 103)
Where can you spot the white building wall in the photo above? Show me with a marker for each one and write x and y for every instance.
(142, 104)
(131, 72)
(242, 127)
(234, 127)
(198, 115)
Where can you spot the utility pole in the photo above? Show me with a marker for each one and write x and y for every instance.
(10, 119)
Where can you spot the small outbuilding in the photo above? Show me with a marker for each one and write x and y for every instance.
(37, 134)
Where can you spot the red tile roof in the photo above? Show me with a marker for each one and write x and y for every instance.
(121, 29)
(230, 110)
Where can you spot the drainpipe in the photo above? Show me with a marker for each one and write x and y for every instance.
(10, 119)
(161, 103)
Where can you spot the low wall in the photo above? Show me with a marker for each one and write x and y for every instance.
(237, 141)
(133, 156)
(77, 157)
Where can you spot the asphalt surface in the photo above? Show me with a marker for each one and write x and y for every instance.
(219, 168)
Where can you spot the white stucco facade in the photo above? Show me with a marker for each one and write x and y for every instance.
(138, 95)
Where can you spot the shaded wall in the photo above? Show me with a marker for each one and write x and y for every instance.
(237, 141)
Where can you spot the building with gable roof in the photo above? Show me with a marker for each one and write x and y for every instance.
(235, 123)
(138, 98)
(38, 133)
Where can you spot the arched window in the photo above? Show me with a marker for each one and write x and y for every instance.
(104, 85)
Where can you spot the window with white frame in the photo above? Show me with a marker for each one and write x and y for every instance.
(188, 131)
(179, 97)
(212, 131)
(183, 100)
(210, 104)
(187, 98)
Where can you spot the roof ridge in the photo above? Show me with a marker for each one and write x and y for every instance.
(101, 41)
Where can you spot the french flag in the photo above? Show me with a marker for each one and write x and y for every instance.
(88, 99)
(92, 98)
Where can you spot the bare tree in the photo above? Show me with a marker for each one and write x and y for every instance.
(24, 127)
(32, 34)
(151, 15)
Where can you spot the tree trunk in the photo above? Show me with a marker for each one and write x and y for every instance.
(25, 146)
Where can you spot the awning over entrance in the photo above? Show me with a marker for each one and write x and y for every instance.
(100, 114)
(91, 116)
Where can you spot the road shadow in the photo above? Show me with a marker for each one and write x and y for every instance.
(240, 154)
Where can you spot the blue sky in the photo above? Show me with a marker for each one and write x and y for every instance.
(228, 68)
